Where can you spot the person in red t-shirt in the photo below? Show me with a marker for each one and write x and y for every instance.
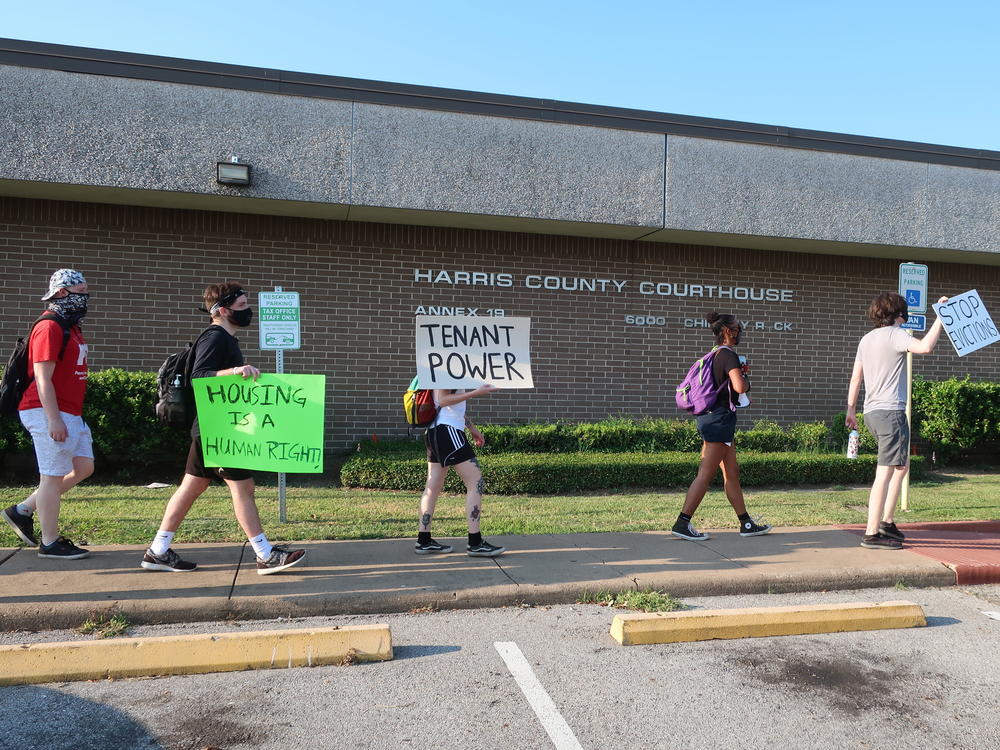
(51, 409)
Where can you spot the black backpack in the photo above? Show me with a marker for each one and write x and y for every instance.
(16, 377)
(174, 395)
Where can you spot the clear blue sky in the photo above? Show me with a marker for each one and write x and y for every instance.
(916, 70)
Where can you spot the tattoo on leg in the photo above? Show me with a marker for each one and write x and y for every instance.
(481, 486)
(474, 515)
(425, 520)
(475, 460)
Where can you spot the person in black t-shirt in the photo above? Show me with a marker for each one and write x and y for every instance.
(217, 353)
(717, 428)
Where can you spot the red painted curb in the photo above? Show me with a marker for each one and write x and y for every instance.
(970, 548)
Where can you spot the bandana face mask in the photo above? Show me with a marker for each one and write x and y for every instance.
(73, 306)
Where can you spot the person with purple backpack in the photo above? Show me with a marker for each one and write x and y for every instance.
(712, 397)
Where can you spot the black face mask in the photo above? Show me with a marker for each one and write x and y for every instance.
(242, 317)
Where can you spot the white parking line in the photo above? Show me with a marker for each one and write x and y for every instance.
(552, 721)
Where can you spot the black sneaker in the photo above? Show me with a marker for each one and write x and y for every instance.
(753, 527)
(686, 530)
(890, 530)
(169, 561)
(281, 558)
(878, 541)
(484, 549)
(22, 525)
(62, 549)
(432, 547)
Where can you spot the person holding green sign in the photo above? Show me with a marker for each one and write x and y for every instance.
(217, 353)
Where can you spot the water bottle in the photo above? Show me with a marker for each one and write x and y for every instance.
(852, 444)
(175, 395)
(744, 398)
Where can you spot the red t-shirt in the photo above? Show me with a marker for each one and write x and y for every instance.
(70, 375)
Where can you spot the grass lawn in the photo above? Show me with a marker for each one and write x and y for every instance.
(115, 514)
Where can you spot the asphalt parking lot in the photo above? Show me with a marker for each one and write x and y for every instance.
(450, 686)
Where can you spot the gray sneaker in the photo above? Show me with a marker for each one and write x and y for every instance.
(281, 557)
(169, 561)
(22, 525)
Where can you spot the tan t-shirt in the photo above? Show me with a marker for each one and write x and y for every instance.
(882, 353)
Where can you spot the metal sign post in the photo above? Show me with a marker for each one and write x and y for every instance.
(279, 330)
(904, 491)
(913, 281)
(279, 368)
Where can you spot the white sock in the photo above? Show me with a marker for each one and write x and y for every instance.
(24, 509)
(261, 546)
(161, 542)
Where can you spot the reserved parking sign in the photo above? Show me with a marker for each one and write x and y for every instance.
(278, 318)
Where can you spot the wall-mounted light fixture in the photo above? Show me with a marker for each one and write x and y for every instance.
(232, 172)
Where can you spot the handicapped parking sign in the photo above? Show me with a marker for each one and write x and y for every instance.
(913, 286)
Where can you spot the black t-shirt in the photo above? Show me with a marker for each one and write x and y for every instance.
(215, 350)
(725, 361)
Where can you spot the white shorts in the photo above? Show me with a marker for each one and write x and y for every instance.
(56, 459)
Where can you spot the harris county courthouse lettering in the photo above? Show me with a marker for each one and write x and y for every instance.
(613, 230)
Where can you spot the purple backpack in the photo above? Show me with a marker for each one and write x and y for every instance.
(697, 392)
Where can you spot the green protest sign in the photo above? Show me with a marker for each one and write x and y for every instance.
(273, 424)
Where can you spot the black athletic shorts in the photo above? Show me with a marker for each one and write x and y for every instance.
(718, 425)
(196, 466)
(447, 445)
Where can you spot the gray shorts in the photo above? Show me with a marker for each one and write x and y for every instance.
(893, 435)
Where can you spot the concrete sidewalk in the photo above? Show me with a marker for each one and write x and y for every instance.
(354, 577)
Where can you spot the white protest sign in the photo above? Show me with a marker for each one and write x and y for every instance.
(467, 351)
(967, 323)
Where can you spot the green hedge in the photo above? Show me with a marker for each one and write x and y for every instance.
(956, 416)
(620, 435)
(128, 440)
(533, 473)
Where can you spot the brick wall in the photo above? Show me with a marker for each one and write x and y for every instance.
(147, 267)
